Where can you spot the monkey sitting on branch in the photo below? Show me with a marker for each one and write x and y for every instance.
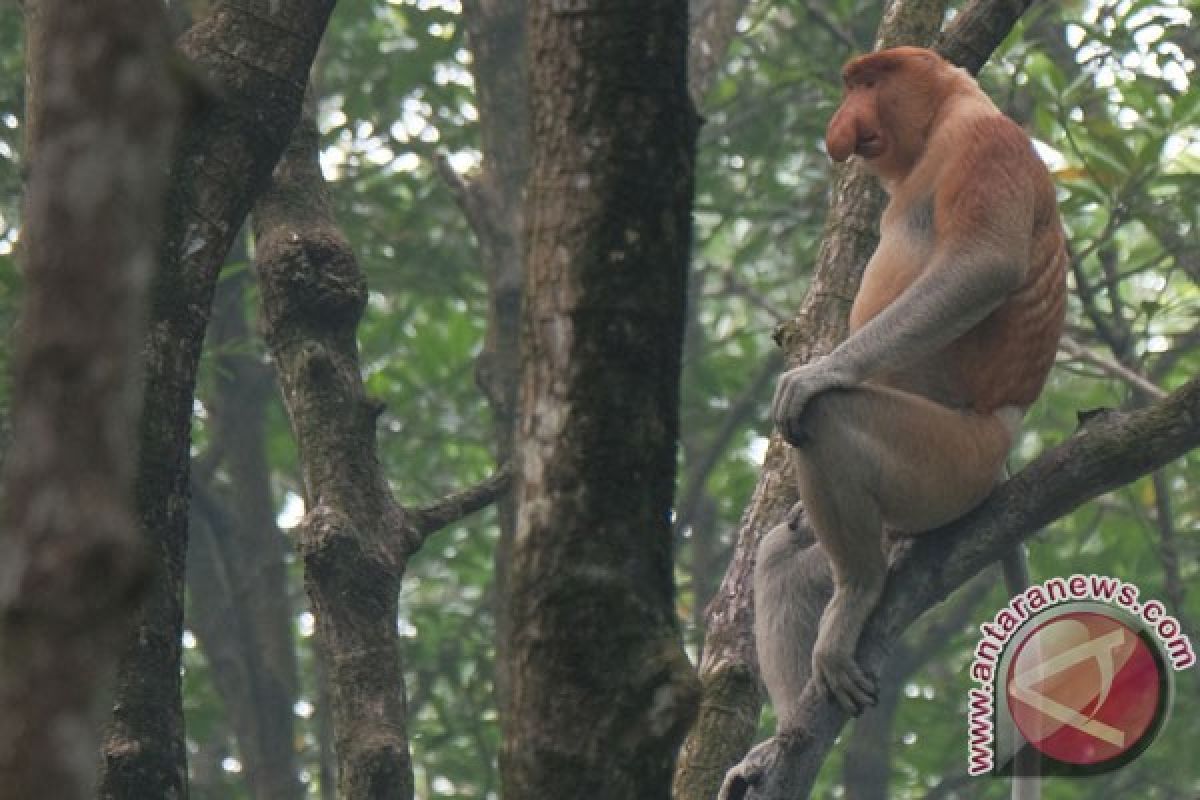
(907, 424)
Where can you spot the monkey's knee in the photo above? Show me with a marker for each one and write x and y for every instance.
(783, 542)
(827, 421)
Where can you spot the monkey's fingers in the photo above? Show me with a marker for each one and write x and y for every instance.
(786, 411)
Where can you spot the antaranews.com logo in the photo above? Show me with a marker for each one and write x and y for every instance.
(1079, 670)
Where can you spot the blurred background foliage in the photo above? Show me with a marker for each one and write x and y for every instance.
(1108, 90)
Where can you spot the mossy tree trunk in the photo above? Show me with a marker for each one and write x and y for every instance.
(600, 689)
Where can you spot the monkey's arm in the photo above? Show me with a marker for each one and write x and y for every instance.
(940, 307)
(980, 256)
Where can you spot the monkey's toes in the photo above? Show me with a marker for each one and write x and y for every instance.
(845, 681)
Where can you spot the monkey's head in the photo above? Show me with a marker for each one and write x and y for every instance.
(891, 100)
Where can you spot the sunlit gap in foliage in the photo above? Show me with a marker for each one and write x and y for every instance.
(452, 6)
(8, 241)
(756, 451)
(412, 139)
(291, 513)
(1156, 56)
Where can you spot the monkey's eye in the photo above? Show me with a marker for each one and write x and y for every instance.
(869, 83)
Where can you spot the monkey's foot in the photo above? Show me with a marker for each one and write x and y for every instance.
(773, 769)
(742, 779)
(839, 675)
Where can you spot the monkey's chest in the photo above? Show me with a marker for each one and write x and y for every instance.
(896, 264)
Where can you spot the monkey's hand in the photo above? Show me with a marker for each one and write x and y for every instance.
(797, 387)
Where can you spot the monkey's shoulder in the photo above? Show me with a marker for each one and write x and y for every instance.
(986, 155)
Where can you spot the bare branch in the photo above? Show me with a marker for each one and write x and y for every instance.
(1110, 367)
(823, 17)
(454, 507)
(712, 31)
(466, 194)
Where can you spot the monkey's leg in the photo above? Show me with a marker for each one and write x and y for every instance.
(849, 528)
(792, 585)
(874, 456)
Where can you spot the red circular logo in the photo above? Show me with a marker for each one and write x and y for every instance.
(1085, 689)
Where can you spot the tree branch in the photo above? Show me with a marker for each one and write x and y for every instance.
(454, 507)
(355, 539)
(224, 156)
(1110, 367)
(821, 15)
(979, 29)
(467, 195)
(1110, 450)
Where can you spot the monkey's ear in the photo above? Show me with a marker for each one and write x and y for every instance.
(841, 137)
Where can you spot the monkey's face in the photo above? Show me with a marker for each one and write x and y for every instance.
(855, 128)
(889, 102)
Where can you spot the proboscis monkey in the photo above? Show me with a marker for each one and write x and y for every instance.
(908, 422)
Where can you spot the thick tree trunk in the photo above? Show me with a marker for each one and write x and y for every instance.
(72, 563)
(601, 691)
(256, 56)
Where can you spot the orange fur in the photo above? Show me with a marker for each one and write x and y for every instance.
(907, 424)
(982, 167)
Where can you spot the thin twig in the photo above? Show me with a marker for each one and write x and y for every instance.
(458, 505)
(1112, 368)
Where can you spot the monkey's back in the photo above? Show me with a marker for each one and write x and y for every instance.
(1004, 360)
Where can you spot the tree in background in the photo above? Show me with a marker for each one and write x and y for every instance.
(101, 113)
(251, 61)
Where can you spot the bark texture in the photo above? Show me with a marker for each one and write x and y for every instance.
(240, 606)
(492, 201)
(72, 562)
(601, 691)
(355, 538)
(252, 59)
